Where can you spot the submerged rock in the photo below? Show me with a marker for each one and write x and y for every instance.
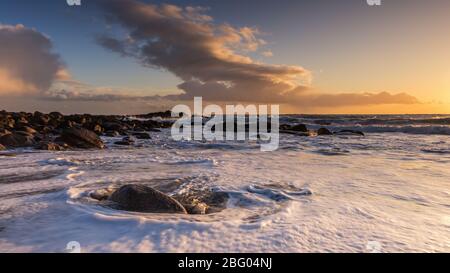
(140, 135)
(350, 132)
(81, 138)
(126, 141)
(324, 132)
(299, 128)
(297, 133)
(145, 199)
(112, 134)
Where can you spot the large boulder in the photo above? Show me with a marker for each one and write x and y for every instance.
(141, 198)
(81, 138)
(16, 140)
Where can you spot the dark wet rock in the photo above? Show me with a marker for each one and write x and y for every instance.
(46, 130)
(56, 116)
(197, 208)
(299, 128)
(126, 141)
(324, 132)
(4, 132)
(203, 201)
(290, 132)
(50, 146)
(350, 132)
(81, 138)
(141, 198)
(96, 128)
(15, 140)
(139, 135)
(114, 126)
(166, 114)
(123, 143)
(26, 129)
(322, 122)
(112, 134)
(40, 118)
(66, 124)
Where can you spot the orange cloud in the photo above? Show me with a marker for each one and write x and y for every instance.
(27, 64)
(210, 58)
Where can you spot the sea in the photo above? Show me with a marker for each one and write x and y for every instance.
(387, 191)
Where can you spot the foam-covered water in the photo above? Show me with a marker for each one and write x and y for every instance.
(338, 193)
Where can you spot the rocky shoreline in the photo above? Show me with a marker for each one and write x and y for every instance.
(58, 132)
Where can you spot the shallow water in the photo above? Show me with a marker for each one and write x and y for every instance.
(340, 193)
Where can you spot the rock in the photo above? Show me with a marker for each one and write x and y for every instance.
(2, 147)
(126, 141)
(142, 136)
(50, 146)
(112, 134)
(123, 143)
(46, 130)
(299, 128)
(289, 132)
(102, 194)
(141, 198)
(114, 126)
(98, 129)
(203, 201)
(350, 132)
(66, 124)
(56, 116)
(40, 118)
(198, 208)
(324, 132)
(81, 138)
(16, 140)
(4, 132)
(26, 129)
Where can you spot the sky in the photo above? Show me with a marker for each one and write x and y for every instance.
(311, 56)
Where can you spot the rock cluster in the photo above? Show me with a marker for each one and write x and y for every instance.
(56, 132)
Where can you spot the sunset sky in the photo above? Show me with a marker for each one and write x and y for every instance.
(315, 56)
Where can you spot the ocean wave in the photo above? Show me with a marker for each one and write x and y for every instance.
(418, 130)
